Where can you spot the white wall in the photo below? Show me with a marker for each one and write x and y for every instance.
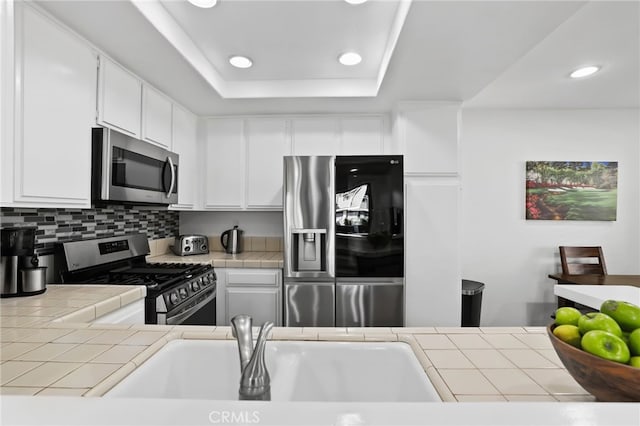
(514, 256)
(254, 224)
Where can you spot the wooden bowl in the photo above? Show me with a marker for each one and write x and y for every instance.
(604, 379)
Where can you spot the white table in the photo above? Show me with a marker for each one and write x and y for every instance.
(594, 295)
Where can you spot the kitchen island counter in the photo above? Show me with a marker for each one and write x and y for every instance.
(504, 367)
(44, 355)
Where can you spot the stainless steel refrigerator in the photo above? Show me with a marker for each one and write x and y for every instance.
(343, 241)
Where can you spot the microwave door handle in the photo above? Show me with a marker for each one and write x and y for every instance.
(173, 177)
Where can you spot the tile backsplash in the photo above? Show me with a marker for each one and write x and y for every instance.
(58, 225)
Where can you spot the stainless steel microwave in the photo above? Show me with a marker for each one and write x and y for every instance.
(128, 170)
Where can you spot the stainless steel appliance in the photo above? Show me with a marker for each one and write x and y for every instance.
(129, 170)
(176, 293)
(344, 241)
(190, 244)
(232, 241)
(19, 271)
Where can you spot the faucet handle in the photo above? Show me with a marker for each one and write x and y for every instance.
(241, 330)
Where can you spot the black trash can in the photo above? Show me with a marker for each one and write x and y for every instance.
(471, 303)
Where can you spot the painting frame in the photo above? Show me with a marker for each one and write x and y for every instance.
(571, 190)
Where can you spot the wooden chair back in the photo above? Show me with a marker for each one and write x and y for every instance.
(582, 260)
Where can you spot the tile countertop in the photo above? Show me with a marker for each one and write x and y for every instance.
(42, 355)
(219, 259)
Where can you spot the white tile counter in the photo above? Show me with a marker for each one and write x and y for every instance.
(219, 259)
(42, 355)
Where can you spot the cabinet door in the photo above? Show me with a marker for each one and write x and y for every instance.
(56, 76)
(362, 136)
(267, 143)
(156, 117)
(224, 165)
(261, 303)
(185, 133)
(119, 98)
(315, 136)
(432, 272)
(429, 139)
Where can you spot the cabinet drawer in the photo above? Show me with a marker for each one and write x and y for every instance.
(258, 277)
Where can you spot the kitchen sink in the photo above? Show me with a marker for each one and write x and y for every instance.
(300, 371)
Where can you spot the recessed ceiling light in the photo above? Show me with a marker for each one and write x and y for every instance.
(240, 61)
(584, 71)
(205, 4)
(350, 58)
(355, 1)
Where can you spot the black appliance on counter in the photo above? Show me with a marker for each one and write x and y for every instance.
(177, 293)
(19, 271)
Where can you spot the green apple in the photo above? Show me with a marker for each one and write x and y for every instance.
(634, 361)
(598, 321)
(625, 337)
(605, 345)
(568, 333)
(626, 314)
(634, 342)
(567, 315)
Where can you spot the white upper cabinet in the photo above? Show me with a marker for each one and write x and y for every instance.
(267, 142)
(55, 109)
(156, 118)
(244, 154)
(185, 144)
(427, 135)
(224, 164)
(119, 98)
(315, 136)
(362, 136)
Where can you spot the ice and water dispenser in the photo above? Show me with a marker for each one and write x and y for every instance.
(309, 250)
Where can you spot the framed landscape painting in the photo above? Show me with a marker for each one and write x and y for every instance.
(572, 190)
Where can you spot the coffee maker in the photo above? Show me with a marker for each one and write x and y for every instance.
(19, 271)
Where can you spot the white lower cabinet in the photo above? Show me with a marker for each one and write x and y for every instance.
(254, 292)
(133, 313)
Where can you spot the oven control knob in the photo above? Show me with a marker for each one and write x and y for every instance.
(173, 298)
(195, 286)
(183, 293)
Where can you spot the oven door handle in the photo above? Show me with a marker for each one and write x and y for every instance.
(177, 319)
(173, 177)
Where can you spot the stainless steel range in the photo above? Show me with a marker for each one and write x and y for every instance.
(176, 293)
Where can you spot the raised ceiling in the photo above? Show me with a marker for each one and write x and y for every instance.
(294, 45)
(507, 54)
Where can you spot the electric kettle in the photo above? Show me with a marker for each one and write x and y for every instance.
(232, 241)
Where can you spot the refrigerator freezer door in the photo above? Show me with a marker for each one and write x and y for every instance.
(367, 304)
(309, 304)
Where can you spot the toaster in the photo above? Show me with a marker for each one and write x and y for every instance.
(191, 244)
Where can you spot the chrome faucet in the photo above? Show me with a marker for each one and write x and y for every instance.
(255, 383)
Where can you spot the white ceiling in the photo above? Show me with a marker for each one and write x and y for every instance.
(507, 54)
